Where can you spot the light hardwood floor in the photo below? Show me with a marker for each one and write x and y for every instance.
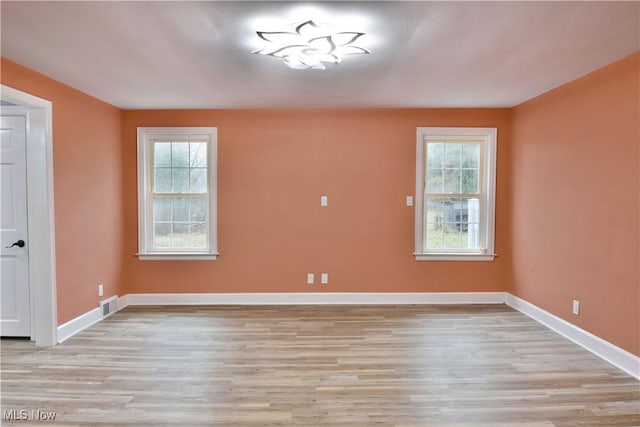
(317, 365)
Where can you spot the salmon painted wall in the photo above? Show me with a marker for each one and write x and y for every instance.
(574, 202)
(87, 190)
(273, 167)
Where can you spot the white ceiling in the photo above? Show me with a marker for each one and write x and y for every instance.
(424, 54)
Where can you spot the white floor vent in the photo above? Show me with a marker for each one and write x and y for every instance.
(109, 306)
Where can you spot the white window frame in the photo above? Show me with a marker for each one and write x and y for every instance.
(146, 136)
(487, 193)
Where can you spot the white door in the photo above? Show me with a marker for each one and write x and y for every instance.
(14, 262)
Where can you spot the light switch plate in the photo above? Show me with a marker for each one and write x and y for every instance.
(409, 200)
(324, 201)
(324, 278)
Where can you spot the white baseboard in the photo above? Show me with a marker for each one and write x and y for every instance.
(613, 354)
(317, 298)
(123, 301)
(72, 327)
(80, 323)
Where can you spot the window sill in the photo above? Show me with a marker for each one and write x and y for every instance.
(177, 256)
(453, 257)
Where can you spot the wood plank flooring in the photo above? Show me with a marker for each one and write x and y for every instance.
(316, 365)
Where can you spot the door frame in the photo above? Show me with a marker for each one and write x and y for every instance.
(40, 214)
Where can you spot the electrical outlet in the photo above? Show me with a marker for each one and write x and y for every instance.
(576, 307)
(310, 279)
(409, 200)
(324, 278)
(100, 289)
(324, 201)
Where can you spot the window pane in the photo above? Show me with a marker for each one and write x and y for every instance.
(452, 155)
(434, 237)
(185, 225)
(198, 209)
(470, 181)
(162, 235)
(471, 156)
(162, 154)
(434, 211)
(435, 151)
(451, 181)
(198, 155)
(455, 211)
(179, 210)
(452, 223)
(461, 168)
(434, 181)
(162, 180)
(198, 180)
(180, 181)
(180, 236)
(162, 210)
(180, 154)
(452, 235)
(199, 235)
(434, 233)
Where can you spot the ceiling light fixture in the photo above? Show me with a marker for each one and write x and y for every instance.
(310, 46)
